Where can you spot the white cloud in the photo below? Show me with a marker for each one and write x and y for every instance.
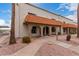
(69, 6)
(3, 23)
(73, 7)
(73, 17)
(61, 7)
(9, 23)
(5, 11)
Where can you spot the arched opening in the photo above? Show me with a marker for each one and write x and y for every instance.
(53, 30)
(46, 31)
(36, 31)
(65, 30)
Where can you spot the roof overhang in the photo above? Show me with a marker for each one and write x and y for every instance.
(41, 20)
(69, 26)
(45, 21)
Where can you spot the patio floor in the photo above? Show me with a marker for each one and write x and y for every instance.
(49, 46)
(55, 50)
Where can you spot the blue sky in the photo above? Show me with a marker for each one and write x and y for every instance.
(5, 14)
(65, 9)
(53, 8)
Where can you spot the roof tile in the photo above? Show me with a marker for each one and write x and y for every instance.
(41, 20)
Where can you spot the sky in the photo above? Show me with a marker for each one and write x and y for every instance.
(68, 10)
(5, 14)
(65, 9)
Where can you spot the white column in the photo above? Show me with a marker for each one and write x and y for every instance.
(68, 31)
(50, 30)
(76, 30)
(57, 30)
(45, 31)
(62, 31)
(41, 30)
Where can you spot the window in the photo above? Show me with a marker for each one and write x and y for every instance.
(34, 29)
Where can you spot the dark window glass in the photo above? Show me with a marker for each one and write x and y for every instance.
(34, 29)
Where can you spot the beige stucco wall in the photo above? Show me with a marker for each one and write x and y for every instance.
(17, 28)
(21, 10)
(65, 20)
(20, 29)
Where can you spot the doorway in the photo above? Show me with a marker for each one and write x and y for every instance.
(46, 31)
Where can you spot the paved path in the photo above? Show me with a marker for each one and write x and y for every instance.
(4, 39)
(30, 50)
(65, 45)
(33, 47)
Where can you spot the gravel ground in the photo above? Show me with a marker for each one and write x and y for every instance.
(54, 50)
(10, 49)
(45, 50)
(74, 40)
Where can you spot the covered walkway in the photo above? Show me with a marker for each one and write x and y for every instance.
(40, 26)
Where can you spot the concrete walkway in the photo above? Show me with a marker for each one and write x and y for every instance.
(33, 47)
(65, 45)
(4, 39)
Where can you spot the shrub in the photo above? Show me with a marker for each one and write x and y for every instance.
(26, 39)
(68, 37)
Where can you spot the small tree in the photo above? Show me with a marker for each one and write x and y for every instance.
(12, 33)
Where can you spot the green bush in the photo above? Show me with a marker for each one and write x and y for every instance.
(26, 40)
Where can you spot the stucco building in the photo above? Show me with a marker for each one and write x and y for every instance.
(33, 21)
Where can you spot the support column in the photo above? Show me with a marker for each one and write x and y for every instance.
(41, 30)
(62, 31)
(76, 30)
(50, 30)
(57, 30)
(45, 31)
(68, 32)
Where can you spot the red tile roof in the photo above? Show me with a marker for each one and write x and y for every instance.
(41, 20)
(69, 26)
